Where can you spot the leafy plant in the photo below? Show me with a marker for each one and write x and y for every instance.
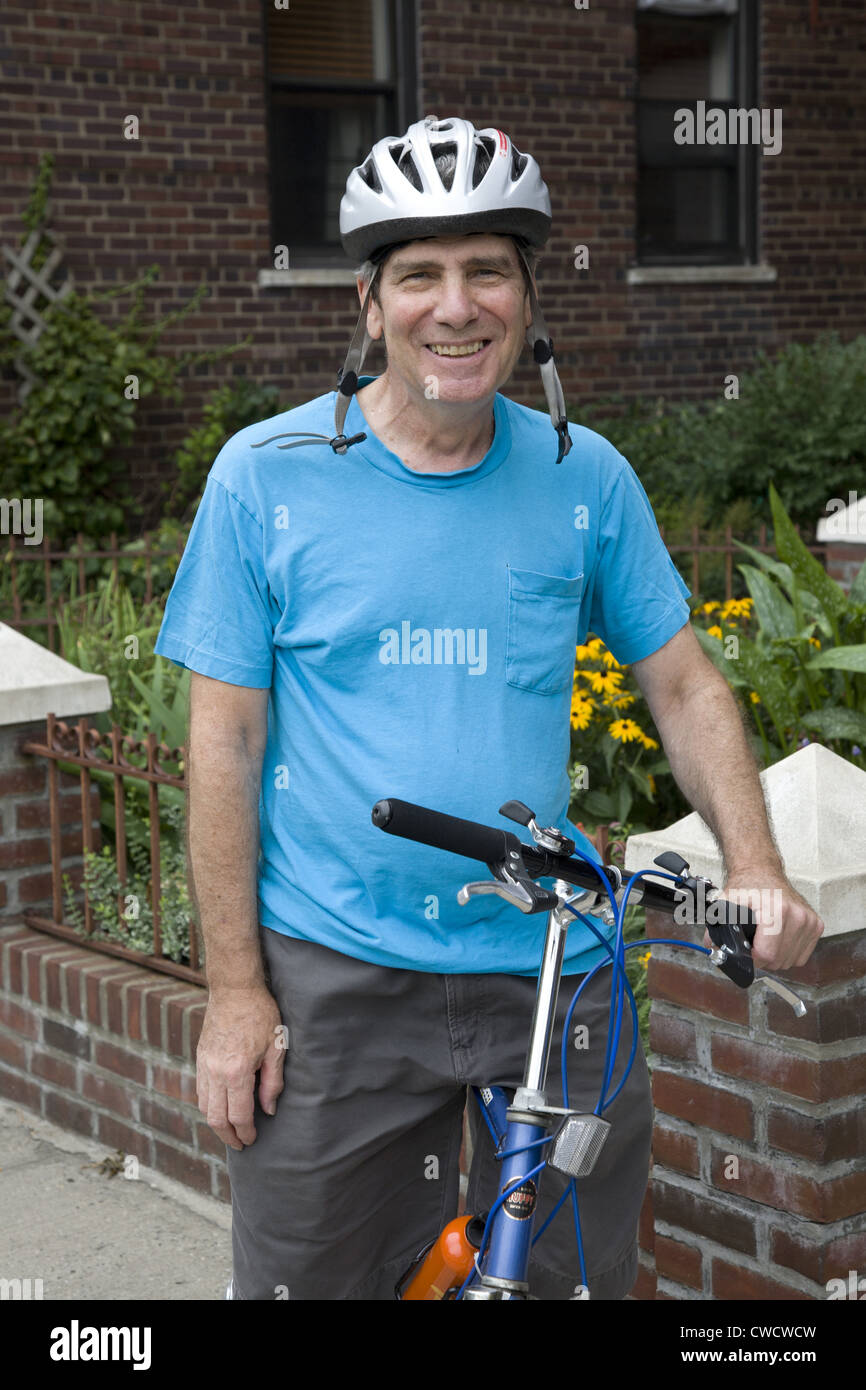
(799, 421)
(124, 913)
(227, 410)
(106, 632)
(81, 413)
(794, 682)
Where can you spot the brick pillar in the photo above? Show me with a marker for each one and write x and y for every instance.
(25, 839)
(33, 683)
(758, 1185)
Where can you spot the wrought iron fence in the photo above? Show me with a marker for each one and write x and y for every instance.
(108, 758)
(698, 547)
(69, 566)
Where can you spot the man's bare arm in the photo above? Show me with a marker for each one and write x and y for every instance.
(706, 746)
(241, 1032)
(227, 733)
(705, 742)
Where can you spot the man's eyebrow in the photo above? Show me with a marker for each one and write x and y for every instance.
(497, 261)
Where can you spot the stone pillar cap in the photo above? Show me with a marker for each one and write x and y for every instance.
(816, 804)
(35, 682)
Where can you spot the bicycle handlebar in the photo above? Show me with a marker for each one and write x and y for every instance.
(732, 927)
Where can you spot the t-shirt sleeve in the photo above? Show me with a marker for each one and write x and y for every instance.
(219, 617)
(638, 599)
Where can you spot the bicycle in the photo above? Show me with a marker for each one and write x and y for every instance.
(486, 1256)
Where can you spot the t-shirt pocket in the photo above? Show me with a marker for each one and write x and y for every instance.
(543, 615)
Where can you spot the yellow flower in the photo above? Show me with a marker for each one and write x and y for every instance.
(754, 697)
(707, 607)
(647, 741)
(610, 660)
(714, 631)
(583, 654)
(644, 958)
(737, 608)
(604, 682)
(815, 643)
(625, 730)
(652, 782)
(620, 701)
(581, 712)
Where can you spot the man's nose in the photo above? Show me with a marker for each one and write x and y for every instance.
(455, 303)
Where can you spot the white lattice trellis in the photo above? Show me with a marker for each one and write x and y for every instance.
(30, 291)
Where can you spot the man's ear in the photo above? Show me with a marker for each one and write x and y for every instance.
(375, 322)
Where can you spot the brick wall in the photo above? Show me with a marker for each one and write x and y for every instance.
(737, 1076)
(192, 193)
(106, 1048)
(25, 843)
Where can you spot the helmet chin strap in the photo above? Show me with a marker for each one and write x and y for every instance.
(542, 350)
(347, 379)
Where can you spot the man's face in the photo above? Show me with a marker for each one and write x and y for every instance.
(452, 292)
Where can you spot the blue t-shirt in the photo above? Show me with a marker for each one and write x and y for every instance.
(417, 632)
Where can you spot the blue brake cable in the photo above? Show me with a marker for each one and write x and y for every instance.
(619, 986)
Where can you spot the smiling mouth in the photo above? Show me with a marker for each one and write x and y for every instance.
(458, 349)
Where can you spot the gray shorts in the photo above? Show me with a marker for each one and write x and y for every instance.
(359, 1167)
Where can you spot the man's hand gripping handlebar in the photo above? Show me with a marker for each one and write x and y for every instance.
(515, 867)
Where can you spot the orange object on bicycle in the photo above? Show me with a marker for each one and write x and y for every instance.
(443, 1266)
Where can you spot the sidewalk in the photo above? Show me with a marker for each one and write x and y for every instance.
(90, 1236)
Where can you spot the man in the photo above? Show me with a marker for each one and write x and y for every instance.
(393, 612)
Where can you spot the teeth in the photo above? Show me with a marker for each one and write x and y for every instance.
(463, 350)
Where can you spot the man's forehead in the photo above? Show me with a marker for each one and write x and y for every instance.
(444, 250)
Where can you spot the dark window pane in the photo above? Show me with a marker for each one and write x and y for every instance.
(684, 59)
(656, 143)
(688, 195)
(687, 212)
(318, 138)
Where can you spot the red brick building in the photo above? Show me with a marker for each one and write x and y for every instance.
(251, 114)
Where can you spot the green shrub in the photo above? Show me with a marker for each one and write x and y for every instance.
(799, 423)
(227, 410)
(802, 674)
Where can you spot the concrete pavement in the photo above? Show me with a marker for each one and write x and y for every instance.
(90, 1236)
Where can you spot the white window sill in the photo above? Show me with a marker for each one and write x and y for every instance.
(700, 274)
(310, 275)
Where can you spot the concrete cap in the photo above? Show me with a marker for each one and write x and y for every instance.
(816, 804)
(35, 682)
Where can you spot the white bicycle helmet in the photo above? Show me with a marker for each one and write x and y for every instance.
(398, 195)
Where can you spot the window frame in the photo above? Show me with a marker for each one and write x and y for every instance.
(404, 20)
(746, 251)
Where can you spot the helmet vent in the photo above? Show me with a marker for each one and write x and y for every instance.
(518, 163)
(406, 164)
(446, 162)
(483, 158)
(368, 173)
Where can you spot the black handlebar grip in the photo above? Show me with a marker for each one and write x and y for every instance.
(465, 837)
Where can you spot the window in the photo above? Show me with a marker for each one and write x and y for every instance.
(341, 75)
(696, 203)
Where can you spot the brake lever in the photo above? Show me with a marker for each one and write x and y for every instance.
(513, 883)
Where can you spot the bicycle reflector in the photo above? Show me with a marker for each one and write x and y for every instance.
(577, 1144)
